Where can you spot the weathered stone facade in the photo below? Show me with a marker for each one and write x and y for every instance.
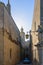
(9, 38)
(36, 35)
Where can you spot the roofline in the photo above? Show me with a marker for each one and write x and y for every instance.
(2, 3)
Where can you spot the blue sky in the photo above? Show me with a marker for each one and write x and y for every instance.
(22, 13)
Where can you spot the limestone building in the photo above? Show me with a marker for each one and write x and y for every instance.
(22, 34)
(37, 34)
(9, 37)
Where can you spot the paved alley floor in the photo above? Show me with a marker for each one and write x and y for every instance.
(25, 61)
(24, 64)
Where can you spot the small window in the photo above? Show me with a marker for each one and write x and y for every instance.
(10, 52)
(35, 26)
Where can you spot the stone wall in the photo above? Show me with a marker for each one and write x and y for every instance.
(35, 24)
(1, 34)
(11, 46)
(11, 51)
(9, 38)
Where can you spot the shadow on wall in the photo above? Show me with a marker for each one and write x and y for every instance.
(40, 55)
(35, 62)
(38, 59)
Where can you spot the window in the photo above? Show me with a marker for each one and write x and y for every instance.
(35, 25)
(10, 53)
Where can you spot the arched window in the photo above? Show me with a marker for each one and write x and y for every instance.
(10, 53)
(35, 26)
